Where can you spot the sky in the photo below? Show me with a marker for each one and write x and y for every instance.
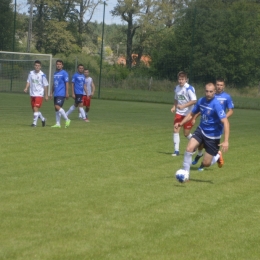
(22, 7)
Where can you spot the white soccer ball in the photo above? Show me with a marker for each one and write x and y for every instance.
(182, 175)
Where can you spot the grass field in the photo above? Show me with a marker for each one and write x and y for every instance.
(107, 190)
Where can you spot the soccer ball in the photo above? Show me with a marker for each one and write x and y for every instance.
(182, 175)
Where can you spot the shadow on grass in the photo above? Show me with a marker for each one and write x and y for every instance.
(165, 153)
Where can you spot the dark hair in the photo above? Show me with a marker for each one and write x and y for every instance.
(80, 65)
(37, 62)
(220, 79)
(59, 61)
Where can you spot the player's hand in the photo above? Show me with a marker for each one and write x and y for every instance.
(25, 90)
(193, 121)
(224, 146)
(176, 126)
(180, 107)
(173, 109)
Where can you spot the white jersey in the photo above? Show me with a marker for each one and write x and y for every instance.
(37, 83)
(88, 82)
(184, 95)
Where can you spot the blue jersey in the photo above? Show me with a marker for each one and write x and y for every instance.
(225, 100)
(79, 81)
(211, 113)
(60, 79)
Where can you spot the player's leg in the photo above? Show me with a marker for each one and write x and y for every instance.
(58, 103)
(199, 154)
(88, 101)
(193, 144)
(38, 104)
(176, 135)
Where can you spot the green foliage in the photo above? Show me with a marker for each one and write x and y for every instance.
(6, 25)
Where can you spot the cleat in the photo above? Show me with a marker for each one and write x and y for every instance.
(56, 126)
(195, 161)
(67, 124)
(220, 161)
(200, 169)
(86, 120)
(33, 125)
(43, 122)
(176, 153)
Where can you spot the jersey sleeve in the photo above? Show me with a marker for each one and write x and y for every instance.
(220, 111)
(45, 81)
(66, 76)
(29, 78)
(230, 104)
(192, 93)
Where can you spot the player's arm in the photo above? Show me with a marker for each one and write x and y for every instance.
(93, 88)
(193, 121)
(229, 113)
(188, 104)
(85, 89)
(26, 87)
(46, 93)
(67, 89)
(185, 120)
(174, 105)
(72, 89)
(225, 143)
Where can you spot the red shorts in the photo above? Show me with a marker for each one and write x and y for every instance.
(86, 101)
(36, 101)
(178, 118)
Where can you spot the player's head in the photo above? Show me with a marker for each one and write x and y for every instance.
(86, 72)
(182, 78)
(210, 91)
(59, 64)
(37, 65)
(80, 68)
(220, 85)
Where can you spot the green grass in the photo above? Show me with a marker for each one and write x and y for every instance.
(107, 190)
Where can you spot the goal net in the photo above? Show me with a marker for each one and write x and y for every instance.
(15, 67)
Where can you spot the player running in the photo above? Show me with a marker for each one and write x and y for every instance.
(228, 106)
(210, 129)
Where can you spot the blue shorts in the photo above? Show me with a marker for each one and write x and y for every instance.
(78, 98)
(210, 145)
(59, 101)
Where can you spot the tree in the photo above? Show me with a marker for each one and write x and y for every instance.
(6, 25)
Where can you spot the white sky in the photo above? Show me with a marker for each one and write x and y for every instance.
(22, 7)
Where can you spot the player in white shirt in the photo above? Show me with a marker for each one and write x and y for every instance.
(38, 84)
(90, 92)
(185, 98)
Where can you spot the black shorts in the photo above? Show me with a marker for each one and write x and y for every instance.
(59, 101)
(78, 98)
(210, 145)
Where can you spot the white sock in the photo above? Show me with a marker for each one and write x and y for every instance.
(80, 115)
(200, 152)
(57, 117)
(187, 161)
(176, 141)
(40, 115)
(215, 159)
(35, 118)
(62, 112)
(82, 112)
(72, 108)
(189, 136)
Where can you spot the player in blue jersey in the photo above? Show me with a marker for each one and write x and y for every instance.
(60, 91)
(78, 87)
(228, 106)
(210, 129)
